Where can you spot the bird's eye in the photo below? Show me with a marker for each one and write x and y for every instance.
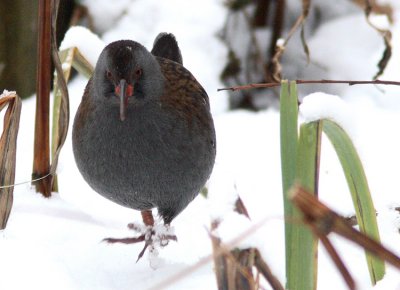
(109, 74)
(138, 72)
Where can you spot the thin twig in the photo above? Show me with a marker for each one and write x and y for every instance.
(266, 272)
(275, 65)
(303, 82)
(25, 182)
(335, 258)
(387, 38)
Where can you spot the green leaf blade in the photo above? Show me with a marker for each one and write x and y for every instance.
(359, 189)
(288, 141)
(304, 245)
(300, 162)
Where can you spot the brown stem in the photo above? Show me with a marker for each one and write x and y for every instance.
(337, 260)
(220, 262)
(260, 17)
(277, 27)
(41, 162)
(266, 272)
(325, 221)
(303, 82)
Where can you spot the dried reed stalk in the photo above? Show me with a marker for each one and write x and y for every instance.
(323, 221)
(8, 150)
(41, 160)
(234, 268)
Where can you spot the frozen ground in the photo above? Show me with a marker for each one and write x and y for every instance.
(56, 243)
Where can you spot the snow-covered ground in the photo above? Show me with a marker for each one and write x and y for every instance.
(56, 243)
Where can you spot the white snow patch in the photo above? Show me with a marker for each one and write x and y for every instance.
(245, 233)
(380, 21)
(105, 13)
(65, 66)
(222, 193)
(159, 235)
(280, 42)
(317, 106)
(391, 280)
(7, 93)
(88, 43)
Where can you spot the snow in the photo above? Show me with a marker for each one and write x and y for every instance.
(7, 93)
(319, 105)
(222, 193)
(380, 21)
(106, 13)
(367, 46)
(88, 43)
(57, 243)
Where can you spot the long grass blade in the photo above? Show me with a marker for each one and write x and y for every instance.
(304, 246)
(358, 185)
(289, 142)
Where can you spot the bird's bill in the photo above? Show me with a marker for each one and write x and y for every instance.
(125, 91)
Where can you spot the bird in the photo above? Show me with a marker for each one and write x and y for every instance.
(143, 135)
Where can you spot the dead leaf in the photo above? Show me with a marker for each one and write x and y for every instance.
(8, 150)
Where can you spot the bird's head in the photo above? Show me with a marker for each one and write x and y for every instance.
(127, 73)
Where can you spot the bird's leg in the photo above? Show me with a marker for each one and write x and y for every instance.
(164, 238)
(148, 220)
(147, 217)
(153, 236)
(150, 234)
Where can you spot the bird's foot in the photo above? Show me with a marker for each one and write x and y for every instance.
(157, 236)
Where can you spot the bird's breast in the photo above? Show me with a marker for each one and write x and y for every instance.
(152, 151)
